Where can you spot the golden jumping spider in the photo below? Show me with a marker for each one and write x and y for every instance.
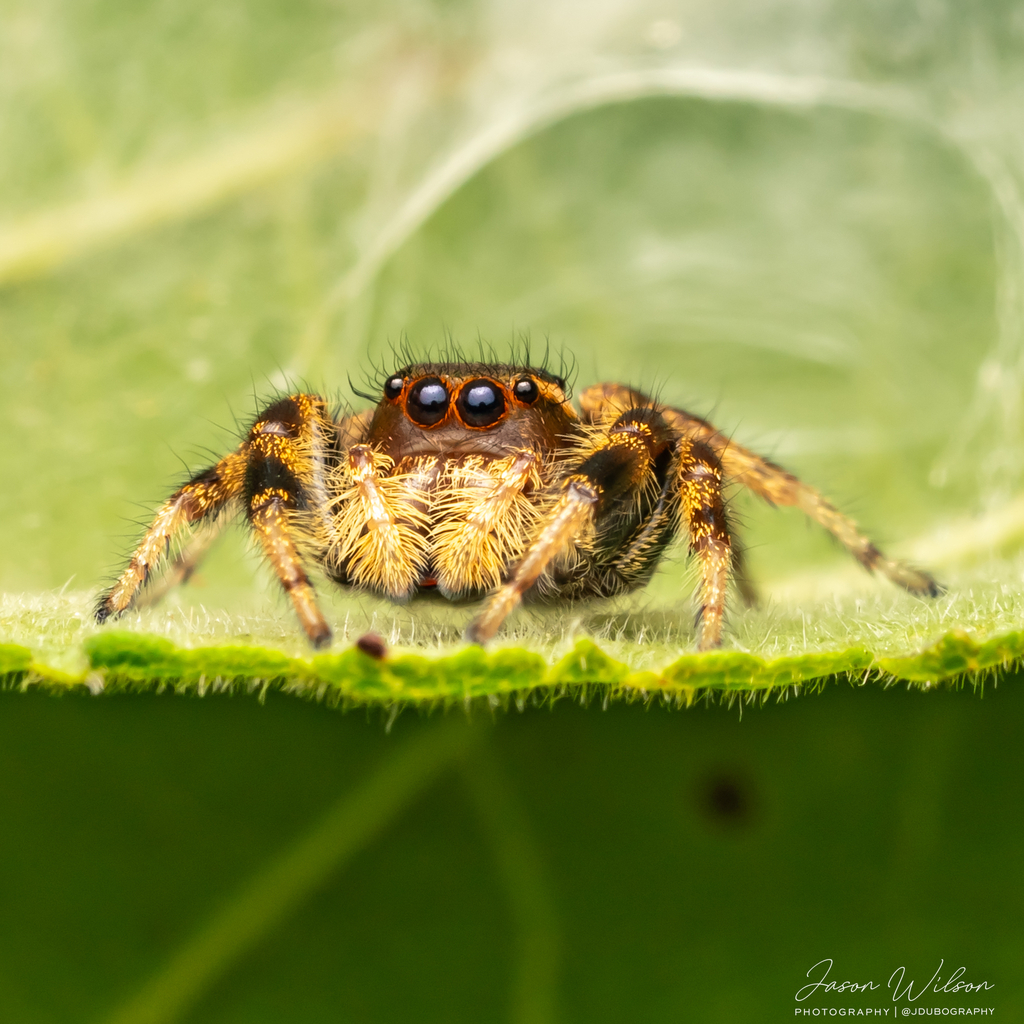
(482, 480)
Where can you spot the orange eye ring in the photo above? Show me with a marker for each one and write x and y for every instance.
(477, 404)
(428, 401)
(481, 404)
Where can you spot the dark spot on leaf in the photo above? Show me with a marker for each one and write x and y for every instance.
(372, 645)
(726, 798)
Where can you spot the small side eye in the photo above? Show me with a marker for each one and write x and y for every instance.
(427, 403)
(526, 390)
(393, 388)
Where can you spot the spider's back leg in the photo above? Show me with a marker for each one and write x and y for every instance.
(204, 497)
(184, 564)
(768, 480)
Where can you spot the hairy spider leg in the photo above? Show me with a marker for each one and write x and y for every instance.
(700, 485)
(691, 497)
(741, 574)
(187, 560)
(769, 481)
(280, 472)
(203, 496)
(570, 518)
(622, 465)
(482, 513)
(603, 403)
(379, 529)
(292, 450)
(184, 563)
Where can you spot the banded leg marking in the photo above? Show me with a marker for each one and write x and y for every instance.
(700, 485)
(269, 513)
(182, 566)
(292, 448)
(204, 495)
(769, 481)
(571, 517)
(779, 487)
(620, 464)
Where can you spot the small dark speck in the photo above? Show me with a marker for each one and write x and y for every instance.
(727, 799)
(372, 645)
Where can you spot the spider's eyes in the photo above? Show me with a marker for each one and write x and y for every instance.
(526, 390)
(427, 402)
(394, 386)
(481, 403)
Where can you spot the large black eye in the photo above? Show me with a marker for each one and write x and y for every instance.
(427, 402)
(394, 386)
(481, 403)
(526, 390)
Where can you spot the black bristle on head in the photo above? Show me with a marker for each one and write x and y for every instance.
(520, 357)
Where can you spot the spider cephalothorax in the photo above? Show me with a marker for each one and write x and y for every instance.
(482, 480)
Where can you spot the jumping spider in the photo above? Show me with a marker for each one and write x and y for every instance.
(482, 480)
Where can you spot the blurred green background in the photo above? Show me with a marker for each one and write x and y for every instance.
(803, 221)
(200, 204)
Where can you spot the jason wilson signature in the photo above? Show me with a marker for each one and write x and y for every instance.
(900, 985)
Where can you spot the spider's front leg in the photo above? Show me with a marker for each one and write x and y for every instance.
(622, 466)
(279, 473)
(292, 450)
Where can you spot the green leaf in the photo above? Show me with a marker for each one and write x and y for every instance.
(224, 860)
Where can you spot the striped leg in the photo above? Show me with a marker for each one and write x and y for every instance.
(203, 497)
(280, 473)
(481, 519)
(183, 565)
(380, 528)
(292, 449)
(700, 484)
(766, 479)
(621, 464)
